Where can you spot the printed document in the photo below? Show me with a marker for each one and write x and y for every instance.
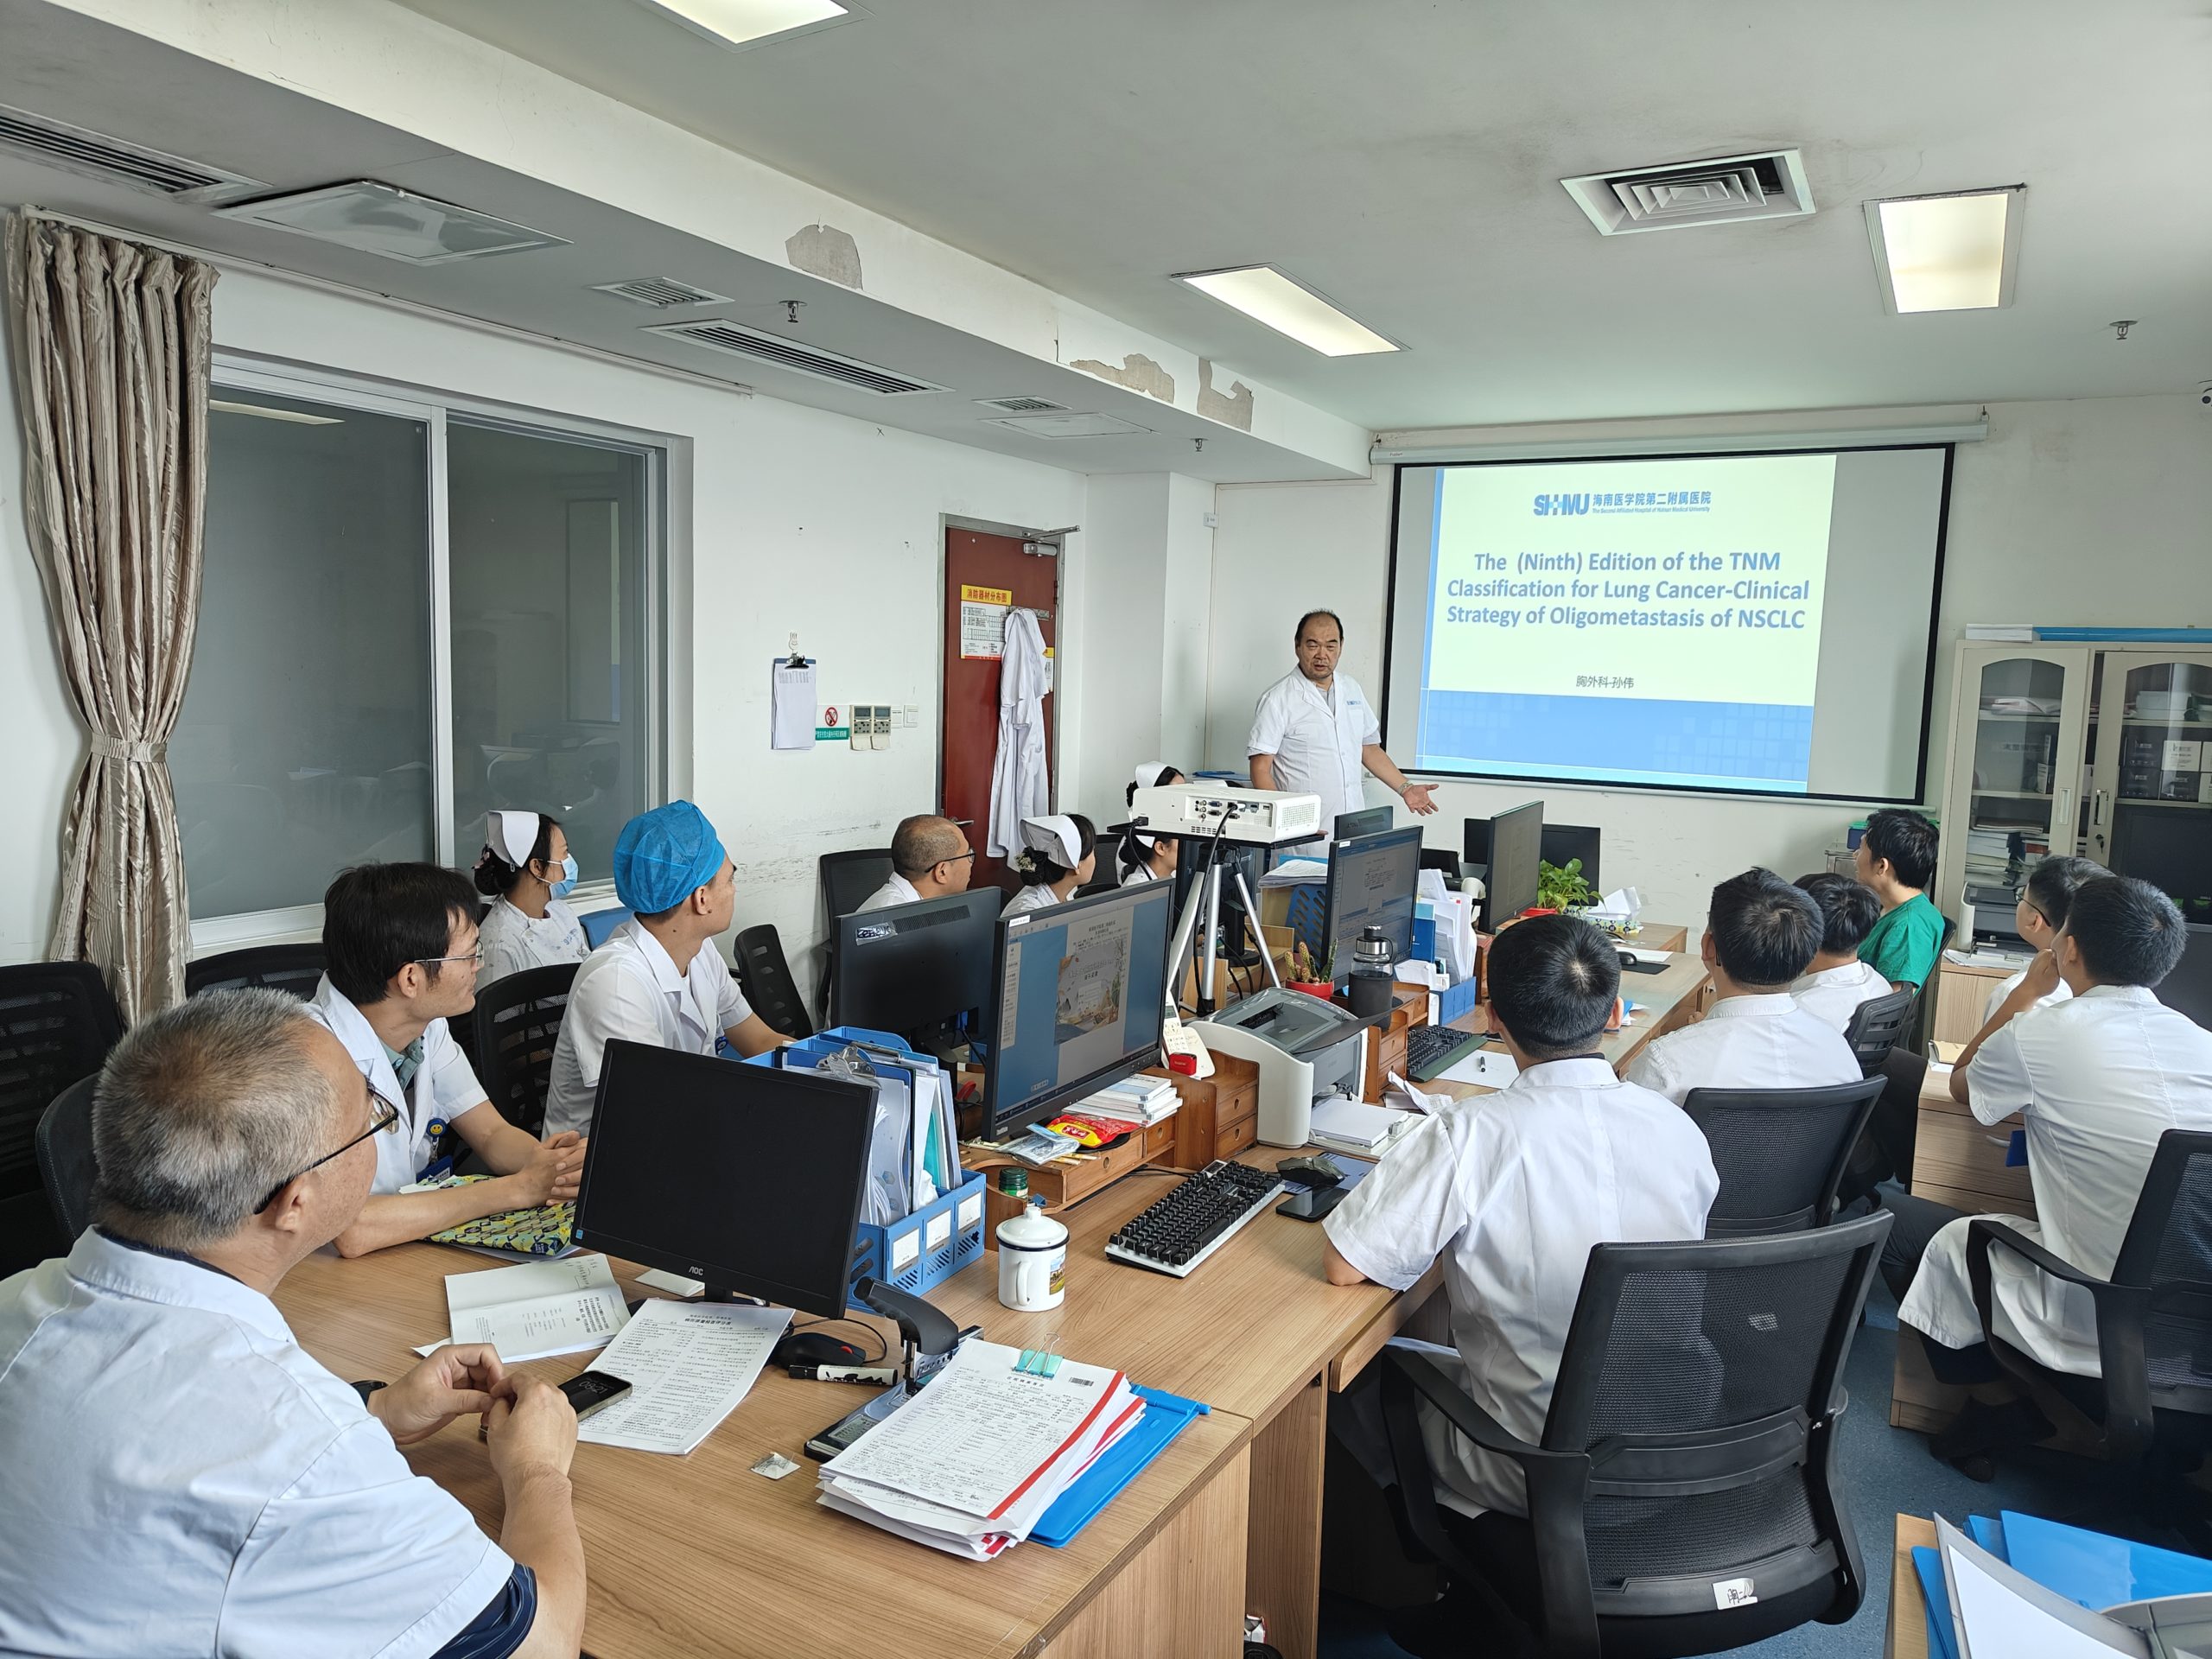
(538, 1309)
(688, 1364)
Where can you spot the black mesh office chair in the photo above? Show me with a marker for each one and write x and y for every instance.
(766, 980)
(66, 1165)
(2150, 1410)
(58, 1020)
(515, 1023)
(1781, 1153)
(847, 879)
(1106, 866)
(294, 968)
(1876, 1027)
(1687, 1462)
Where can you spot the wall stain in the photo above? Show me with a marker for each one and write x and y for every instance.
(1231, 408)
(824, 251)
(1137, 373)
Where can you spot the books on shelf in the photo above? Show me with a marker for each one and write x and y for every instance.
(1139, 1102)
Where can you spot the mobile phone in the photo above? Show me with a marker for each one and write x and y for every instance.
(591, 1391)
(1312, 1204)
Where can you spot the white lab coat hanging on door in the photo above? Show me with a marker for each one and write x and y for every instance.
(1020, 786)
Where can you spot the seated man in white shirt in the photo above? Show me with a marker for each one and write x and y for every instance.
(930, 858)
(2097, 1079)
(182, 1477)
(1512, 1190)
(658, 979)
(1836, 981)
(1759, 936)
(2039, 914)
(400, 947)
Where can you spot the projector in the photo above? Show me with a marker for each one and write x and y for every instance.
(1262, 817)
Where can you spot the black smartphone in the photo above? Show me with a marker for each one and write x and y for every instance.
(1312, 1204)
(591, 1391)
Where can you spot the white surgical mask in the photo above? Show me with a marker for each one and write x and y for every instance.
(566, 884)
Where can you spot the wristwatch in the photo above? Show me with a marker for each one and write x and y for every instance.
(365, 1390)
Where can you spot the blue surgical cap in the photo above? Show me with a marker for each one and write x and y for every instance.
(663, 856)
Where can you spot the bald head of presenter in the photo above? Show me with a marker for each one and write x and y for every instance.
(1315, 733)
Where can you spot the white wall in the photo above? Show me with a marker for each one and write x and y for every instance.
(2091, 511)
(796, 520)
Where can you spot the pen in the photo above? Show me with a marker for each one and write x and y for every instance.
(871, 1377)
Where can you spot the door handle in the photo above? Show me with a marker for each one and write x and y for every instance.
(2063, 825)
(2097, 809)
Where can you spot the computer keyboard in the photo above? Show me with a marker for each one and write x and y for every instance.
(1430, 1051)
(1196, 1219)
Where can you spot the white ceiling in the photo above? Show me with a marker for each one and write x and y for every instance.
(1403, 156)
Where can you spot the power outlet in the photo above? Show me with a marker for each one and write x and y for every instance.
(910, 714)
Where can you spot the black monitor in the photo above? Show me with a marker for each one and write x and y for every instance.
(1081, 990)
(2187, 989)
(1371, 881)
(909, 968)
(1565, 843)
(748, 1178)
(1516, 844)
(1474, 843)
(1368, 821)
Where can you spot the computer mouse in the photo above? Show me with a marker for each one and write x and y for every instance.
(815, 1347)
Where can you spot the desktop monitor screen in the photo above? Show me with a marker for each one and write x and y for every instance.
(1368, 821)
(1371, 880)
(911, 967)
(2187, 989)
(1565, 843)
(1474, 847)
(1517, 840)
(745, 1177)
(1081, 990)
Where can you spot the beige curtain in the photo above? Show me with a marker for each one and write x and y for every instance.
(111, 345)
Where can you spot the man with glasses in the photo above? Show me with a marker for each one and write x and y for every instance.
(182, 1477)
(930, 858)
(401, 956)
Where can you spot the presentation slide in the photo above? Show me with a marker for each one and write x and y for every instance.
(1744, 622)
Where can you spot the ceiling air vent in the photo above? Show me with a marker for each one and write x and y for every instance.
(1067, 426)
(717, 335)
(1024, 405)
(661, 292)
(97, 157)
(1770, 185)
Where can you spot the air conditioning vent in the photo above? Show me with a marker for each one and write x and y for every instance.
(95, 156)
(1769, 184)
(717, 335)
(1067, 426)
(1024, 405)
(661, 292)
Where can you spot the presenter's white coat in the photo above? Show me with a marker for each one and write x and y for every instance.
(1316, 748)
(1020, 786)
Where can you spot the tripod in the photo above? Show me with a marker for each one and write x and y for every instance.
(1204, 898)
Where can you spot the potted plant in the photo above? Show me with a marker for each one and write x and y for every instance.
(1561, 887)
(1310, 973)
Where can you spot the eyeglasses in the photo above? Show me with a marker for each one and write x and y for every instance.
(957, 857)
(475, 955)
(385, 1116)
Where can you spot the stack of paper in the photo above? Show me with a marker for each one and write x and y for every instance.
(1141, 1101)
(1295, 872)
(1356, 1127)
(539, 1309)
(970, 1463)
(688, 1365)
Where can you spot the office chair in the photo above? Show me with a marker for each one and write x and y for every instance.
(2150, 1411)
(1781, 1153)
(766, 980)
(58, 1020)
(1688, 1453)
(66, 1165)
(1106, 867)
(848, 878)
(514, 1025)
(1876, 1027)
(294, 968)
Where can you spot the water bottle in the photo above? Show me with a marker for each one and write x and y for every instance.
(1372, 972)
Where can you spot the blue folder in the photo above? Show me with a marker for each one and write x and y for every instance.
(1942, 1638)
(2096, 1570)
(1988, 1531)
(1165, 1415)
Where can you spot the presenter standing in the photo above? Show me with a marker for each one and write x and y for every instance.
(1314, 731)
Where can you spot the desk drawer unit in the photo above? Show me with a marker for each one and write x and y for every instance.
(1953, 1150)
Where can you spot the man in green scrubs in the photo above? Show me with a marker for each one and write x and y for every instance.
(1897, 859)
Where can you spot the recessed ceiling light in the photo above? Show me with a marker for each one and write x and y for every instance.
(1288, 306)
(1067, 426)
(1956, 252)
(394, 223)
(740, 23)
(263, 411)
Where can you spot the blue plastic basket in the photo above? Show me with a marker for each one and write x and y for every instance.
(1455, 1001)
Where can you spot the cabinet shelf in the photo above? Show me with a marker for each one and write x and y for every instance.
(2153, 800)
(2012, 794)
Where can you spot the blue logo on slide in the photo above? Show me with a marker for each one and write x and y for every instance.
(1547, 505)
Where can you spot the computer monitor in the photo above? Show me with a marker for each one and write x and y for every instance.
(1516, 842)
(1474, 843)
(1368, 821)
(1081, 990)
(2187, 989)
(909, 968)
(1371, 881)
(748, 1178)
(1564, 842)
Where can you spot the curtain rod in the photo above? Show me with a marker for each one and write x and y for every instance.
(412, 307)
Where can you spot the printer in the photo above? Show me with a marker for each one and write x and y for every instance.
(1306, 1050)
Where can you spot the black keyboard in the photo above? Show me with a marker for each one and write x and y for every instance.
(1432, 1051)
(1196, 1219)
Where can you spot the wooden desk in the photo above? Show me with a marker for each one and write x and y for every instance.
(1906, 1636)
(1961, 994)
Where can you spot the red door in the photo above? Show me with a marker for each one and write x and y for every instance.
(985, 575)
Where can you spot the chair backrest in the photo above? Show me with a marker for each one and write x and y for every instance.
(1876, 1027)
(58, 1020)
(516, 1023)
(769, 987)
(294, 968)
(847, 879)
(1780, 1152)
(598, 924)
(1106, 867)
(2169, 1248)
(66, 1165)
(1700, 1380)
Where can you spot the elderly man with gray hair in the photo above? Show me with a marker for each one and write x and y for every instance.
(183, 1478)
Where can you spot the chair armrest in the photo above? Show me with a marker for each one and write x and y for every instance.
(1982, 1232)
(1463, 1414)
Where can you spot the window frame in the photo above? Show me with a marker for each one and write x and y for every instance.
(239, 371)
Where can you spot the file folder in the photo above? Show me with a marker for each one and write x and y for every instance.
(1165, 1415)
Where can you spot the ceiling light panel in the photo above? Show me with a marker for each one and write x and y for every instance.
(1957, 252)
(1068, 426)
(393, 224)
(1288, 306)
(740, 23)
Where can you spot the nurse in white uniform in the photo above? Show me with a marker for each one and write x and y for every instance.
(1315, 733)
(526, 870)
(400, 945)
(1059, 853)
(1147, 858)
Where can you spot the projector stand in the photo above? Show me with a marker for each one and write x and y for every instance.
(1205, 892)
